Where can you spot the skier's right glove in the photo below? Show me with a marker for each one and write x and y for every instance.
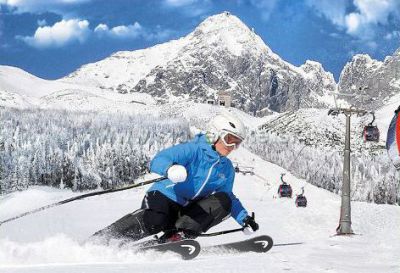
(250, 222)
(177, 173)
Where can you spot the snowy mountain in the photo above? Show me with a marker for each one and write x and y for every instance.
(379, 81)
(221, 54)
(19, 89)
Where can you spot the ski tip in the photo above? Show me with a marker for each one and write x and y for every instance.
(265, 243)
(192, 250)
(187, 249)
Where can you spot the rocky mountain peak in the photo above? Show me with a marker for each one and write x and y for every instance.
(312, 66)
(315, 70)
(221, 54)
(318, 79)
(222, 22)
(227, 31)
(371, 82)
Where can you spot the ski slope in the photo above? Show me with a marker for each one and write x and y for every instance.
(52, 240)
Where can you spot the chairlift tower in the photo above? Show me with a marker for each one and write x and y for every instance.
(345, 211)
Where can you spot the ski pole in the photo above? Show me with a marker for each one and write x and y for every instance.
(82, 197)
(221, 232)
(289, 244)
(227, 231)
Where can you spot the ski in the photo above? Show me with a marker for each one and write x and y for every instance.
(187, 249)
(259, 244)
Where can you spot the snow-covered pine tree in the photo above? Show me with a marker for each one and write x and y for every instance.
(84, 150)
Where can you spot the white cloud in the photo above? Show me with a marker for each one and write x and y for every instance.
(376, 11)
(101, 28)
(60, 34)
(393, 35)
(75, 30)
(159, 34)
(334, 35)
(129, 31)
(180, 3)
(335, 11)
(353, 22)
(1, 26)
(372, 45)
(34, 6)
(133, 32)
(191, 8)
(265, 6)
(364, 21)
(42, 23)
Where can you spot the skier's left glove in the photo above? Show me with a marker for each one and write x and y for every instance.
(250, 222)
(177, 173)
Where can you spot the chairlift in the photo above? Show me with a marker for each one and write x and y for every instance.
(284, 190)
(371, 132)
(244, 170)
(301, 200)
(247, 170)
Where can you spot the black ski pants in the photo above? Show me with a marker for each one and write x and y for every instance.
(163, 214)
(159, 213)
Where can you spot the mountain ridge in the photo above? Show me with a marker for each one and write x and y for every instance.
(220, 54)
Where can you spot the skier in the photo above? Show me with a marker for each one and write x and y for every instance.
(197, 193)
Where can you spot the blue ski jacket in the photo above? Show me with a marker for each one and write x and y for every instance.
(208, 173)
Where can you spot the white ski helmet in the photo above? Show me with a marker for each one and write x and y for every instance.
(223, 124)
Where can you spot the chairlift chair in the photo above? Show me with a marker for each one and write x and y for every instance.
(247, 170)
(284, 190)
(301, 200)
(371, 132)
(244, 170)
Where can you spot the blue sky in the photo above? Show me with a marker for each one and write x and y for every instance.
(52, 38)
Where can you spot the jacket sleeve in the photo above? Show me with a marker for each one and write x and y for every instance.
(238, 212)
(181, 154)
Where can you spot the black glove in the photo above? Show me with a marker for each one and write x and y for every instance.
(250, 222)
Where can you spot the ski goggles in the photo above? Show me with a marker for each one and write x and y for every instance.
(231, 140)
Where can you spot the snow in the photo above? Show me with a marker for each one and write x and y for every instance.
(9, 99)
(229, 31)
(20, 89)
(18, 81)
(385, 114)
(52, 240)
(126, 66)
(369, 62)
(199, 114)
